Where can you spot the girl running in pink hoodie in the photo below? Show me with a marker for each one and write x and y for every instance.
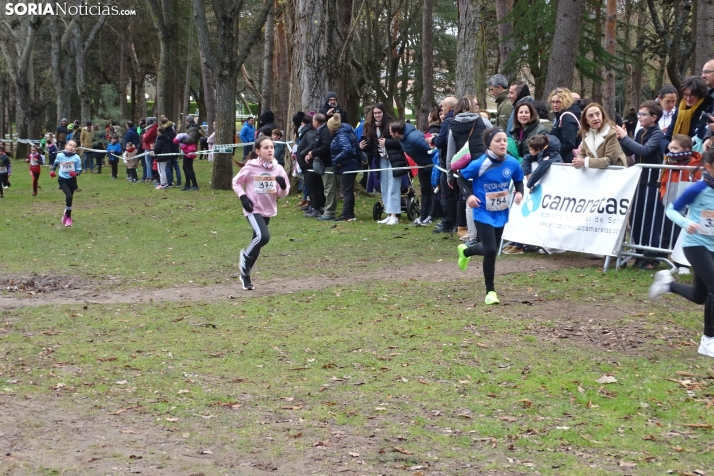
(258, 185)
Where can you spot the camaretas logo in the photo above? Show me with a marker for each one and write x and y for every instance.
(532, 202)
(63, 8)
(604, 205)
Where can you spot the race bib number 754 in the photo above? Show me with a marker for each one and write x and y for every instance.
(497, 201)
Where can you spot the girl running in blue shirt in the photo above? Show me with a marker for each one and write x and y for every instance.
(69, 165)
(492, 174)
(698, 246)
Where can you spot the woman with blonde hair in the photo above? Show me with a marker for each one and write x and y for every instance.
(600, 146)
(566, 123)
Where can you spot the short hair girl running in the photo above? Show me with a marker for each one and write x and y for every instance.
(70, 166)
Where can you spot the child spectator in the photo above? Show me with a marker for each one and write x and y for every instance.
(189, 150)
(681, 154)
(5, 170)
(35, 161)
(277, 135)
(113, 153)
(51, 150)
(132, 161)
(543, 150)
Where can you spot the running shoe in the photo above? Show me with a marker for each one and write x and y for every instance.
(706, 346)
(463, 259)
(68, 221)
(491, 298)
(660, 287)
(245, 281)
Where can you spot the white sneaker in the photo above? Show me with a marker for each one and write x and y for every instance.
(384, 222)
(683, 271)
(427, 221)
(393, 220)
(660, 287)
(417, 222)
(706, 346)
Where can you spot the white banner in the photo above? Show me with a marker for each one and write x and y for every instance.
(583, 210)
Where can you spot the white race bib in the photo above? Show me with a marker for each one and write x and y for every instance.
(3, 170)
(67, 167)
(497, 201)
(264, 184)
(706, 222)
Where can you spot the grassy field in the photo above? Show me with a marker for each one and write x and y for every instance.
(575, 373)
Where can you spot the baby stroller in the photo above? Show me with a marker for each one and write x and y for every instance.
(409, 204)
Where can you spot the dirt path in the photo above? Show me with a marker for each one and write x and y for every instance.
(91, 292)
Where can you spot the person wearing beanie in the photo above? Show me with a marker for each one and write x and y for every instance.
(334, 123)
(331, 107)
(266, 124)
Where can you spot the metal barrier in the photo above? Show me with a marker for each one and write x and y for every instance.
(650, 234)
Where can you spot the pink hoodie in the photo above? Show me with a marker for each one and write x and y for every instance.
(259, 184)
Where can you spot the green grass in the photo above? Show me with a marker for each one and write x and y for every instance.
(432, 376)
(404, 373)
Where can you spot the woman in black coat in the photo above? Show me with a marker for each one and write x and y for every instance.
(566, 123)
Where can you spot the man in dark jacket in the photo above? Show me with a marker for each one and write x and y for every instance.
(323, 139)
(62, 132)
(331, 107)
(131, 135)
(415, 146)
(449, 192)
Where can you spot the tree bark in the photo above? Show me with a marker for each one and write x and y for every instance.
(704, 49)
(225, 63)
(138, 74)
(81, 49)
(608, 91)
(505, 29)
(427, 64)
(59, 79)
(209, 93)
(267, 87)
(281, 98)
(566, 40)
(466, 47)
(123, 77)
(165, 23)
(672, 37)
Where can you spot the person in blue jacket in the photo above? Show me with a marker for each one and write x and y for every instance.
(416, 147)
(247, 135)
(491, 174)
(70, 166)
(345, 162)
(698, 247)
(114, 151)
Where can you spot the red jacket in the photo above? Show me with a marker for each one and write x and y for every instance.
(149, 137)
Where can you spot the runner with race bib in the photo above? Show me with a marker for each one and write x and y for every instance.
(488, 196)
(698, 247)
(258, 185)
(5, 170)
(70, 166)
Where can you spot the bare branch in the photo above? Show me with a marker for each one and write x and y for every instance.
(255, 34)
(250, 84)
(204, 38)
(93, 34)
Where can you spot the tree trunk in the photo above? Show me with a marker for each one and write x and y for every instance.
(608, 91)
(123, 77)
(225, 123)
(505, 29)
(62, 87)
(704, 50)
(267, 87)
(282, 67)
(138, 107)
(566, 41)
(427, 65)
(165, 24)
(3, 96)
(597, 85)
(466, 47)
(209, 93)
(637, 65)
(310, 45)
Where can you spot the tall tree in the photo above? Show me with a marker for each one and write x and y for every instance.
(209, 92)
(566, 39)
(165, 23)
(704, 50)
(225, 61)
(81, 48)
(466, 47)
(268, 48)
(62, 63)
(505, 39)
(427, 64)
(672, 38)
(608, 92)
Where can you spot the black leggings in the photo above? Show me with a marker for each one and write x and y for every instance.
(188, 172)
(132, 174)
(702, 292)
(261, 237)
(68, 186)
(317, 190)
(488, 248)
(115, 168)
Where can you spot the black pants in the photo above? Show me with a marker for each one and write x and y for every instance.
(4, 181)
(647, 216)
(115, 168)
(461, 212)
(35, 180)
(427, 193)
(488, 248)
(68, 186)
(188, 172)
(702, 292)
(348, 191)
(317, 190)
(435, 211)
(449, 201)
(261, 237)
(99, 160)
(132, 174)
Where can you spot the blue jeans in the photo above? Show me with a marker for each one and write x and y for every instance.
(391, 188)
(88, 161)
(171, 165)
(148, 160)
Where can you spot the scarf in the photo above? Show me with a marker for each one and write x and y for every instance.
(268, 165)
(684, 117)
(679, 158)
(594, 139)
(494, 158)
(708, 179)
